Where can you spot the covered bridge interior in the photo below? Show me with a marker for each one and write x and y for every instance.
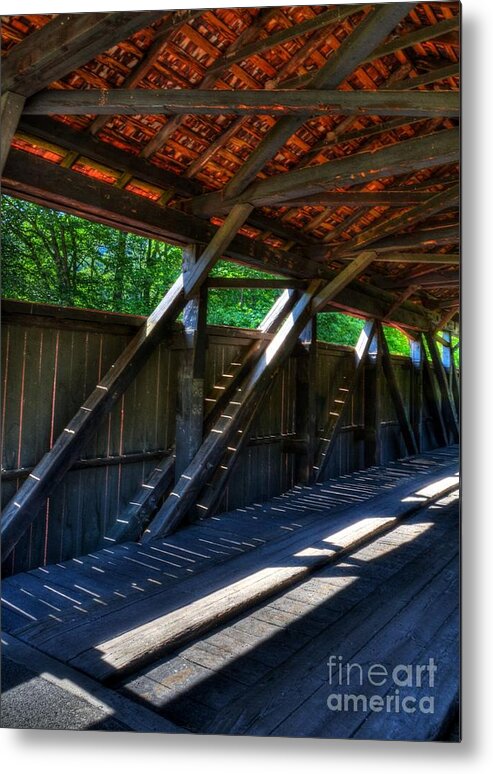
(163, 478)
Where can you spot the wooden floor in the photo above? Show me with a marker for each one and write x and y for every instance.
(227, 626)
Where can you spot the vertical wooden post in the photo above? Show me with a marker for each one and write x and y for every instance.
(191, 374)
(306, 416)
(395, 394)
(372, 403)
(417, 392)
(455, 384)
(11, 106)
(445, 392)
(433, 398)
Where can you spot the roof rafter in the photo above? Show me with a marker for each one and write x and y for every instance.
(426, 151)
(66, 43)
(363, 40)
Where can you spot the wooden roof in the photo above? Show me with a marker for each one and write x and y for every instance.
(352, 178)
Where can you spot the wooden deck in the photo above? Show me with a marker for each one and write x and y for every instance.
(231, 621)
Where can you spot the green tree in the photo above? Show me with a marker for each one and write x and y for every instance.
(53, 257)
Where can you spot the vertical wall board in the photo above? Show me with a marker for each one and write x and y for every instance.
(48, 370)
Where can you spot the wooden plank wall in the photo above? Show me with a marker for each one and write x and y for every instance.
(52, 359)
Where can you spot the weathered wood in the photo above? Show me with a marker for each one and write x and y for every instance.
(432, 396)
(433, 279)
(349, 198)
(432, 76)
(138, 73)
(248, 34)
(352, 51)
(389, 225)
(91, 462)
(268, 42)
(276, 102)
(219, 243)
(191, 375)
(359, 632)
(11, 105)
(65, 44)
(239, 414)
(372, 408)
(344, 395)
(35, 179)
(64, 138)
(201, 603)
(248, 282)
(395, 394)
(132, 522)
(241, 411)
(447, 398)
(23, 508)
(452, 259)
(439, 148)
(343, 278)
(417, 396)
(306, 402)
(421, 238)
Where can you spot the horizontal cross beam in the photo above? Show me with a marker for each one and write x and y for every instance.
(278, 102)
(35, 179)
(397, 159)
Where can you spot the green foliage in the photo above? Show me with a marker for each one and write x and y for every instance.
(338, 328)
(52, 257)
(397, 342)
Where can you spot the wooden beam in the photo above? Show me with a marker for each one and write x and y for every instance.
(434, 75)
(406, 156)
(26, 503)
(11, 106)
(238, 414)
(275, 102)
(241, 411)
(66, 43)
(395, 394)
(398, 43)
(342, 279)
(372, 404)
(342, 401)
(254, 283)
(306, 403)
(209, 80)
(338, 137)
(217, 246)
(131, 523)
(65, 139)
(445, 392)
(359, 199)
(268, 42)
(451, 259)
(417, 396)
(191, 373)
(435, 279)
(430, 237)
(138, 73)
(211, 495)
(410, 39)
(390, 225)
(31, 177)
(355, 47)
(432, 395)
